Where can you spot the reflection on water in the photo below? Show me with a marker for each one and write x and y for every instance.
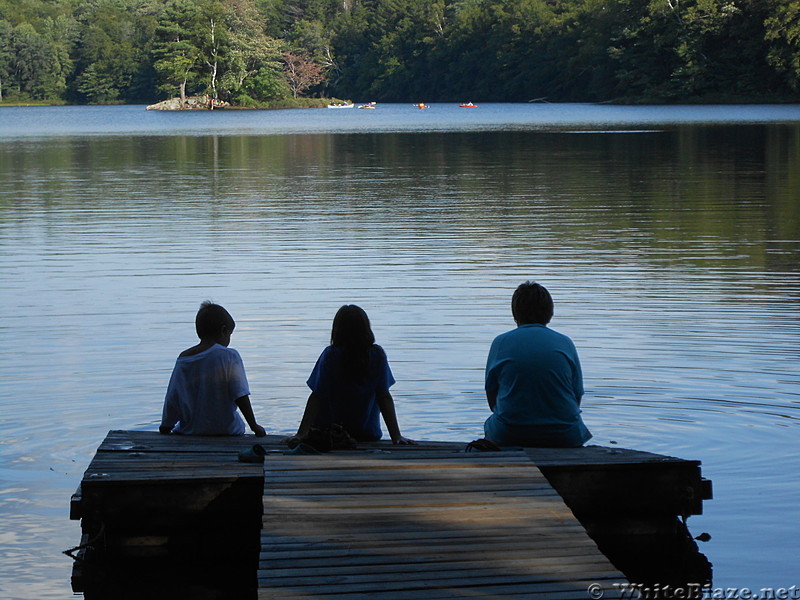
(672, 256)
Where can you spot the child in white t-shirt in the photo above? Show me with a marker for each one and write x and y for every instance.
(208, 386)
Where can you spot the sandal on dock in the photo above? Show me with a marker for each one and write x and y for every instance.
(255, 454)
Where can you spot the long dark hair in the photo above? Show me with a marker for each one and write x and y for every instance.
(351, 332)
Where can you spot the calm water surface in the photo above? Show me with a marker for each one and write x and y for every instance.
(669, 237)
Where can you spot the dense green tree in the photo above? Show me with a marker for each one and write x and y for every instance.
(6, 55)
(34, 12)
(112, 51)
(178, 55)
(37, 64)
(254, 59)
(472, 51)
(351, 46)
(783, 35)
(397, 55)
(670, 50)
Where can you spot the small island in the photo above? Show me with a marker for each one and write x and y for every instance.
(189, 103)
(206, 102)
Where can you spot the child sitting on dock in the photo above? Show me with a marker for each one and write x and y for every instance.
(208, 383)
(350, 383)
(534, 382)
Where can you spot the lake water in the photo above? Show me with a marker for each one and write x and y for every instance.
(668, 236)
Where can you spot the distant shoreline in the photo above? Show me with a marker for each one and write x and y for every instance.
(323, 102)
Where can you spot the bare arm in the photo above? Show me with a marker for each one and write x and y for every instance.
(386, 404)
(247, 412)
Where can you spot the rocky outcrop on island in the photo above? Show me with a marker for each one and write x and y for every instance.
(191, 103)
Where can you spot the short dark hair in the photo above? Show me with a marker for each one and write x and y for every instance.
(211, 318)
(531, 303)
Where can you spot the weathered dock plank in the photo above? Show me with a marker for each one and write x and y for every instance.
(429, 523)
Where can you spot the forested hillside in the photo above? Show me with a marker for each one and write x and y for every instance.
(252, 52)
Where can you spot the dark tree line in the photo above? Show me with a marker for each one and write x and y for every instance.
(252, 52)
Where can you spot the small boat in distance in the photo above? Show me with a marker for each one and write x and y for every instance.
(421, 105)
(468, 105)
(368, 105)
(341, 105)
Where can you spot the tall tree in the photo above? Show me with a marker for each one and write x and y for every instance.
(212, 39)
(254, 59)
(177, 53)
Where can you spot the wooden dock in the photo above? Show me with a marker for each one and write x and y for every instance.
(429, 521)
(428, 525)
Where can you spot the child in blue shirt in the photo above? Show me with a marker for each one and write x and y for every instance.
(534, 382)
(350, 383)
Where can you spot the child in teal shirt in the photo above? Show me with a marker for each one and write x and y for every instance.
(534, 382)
